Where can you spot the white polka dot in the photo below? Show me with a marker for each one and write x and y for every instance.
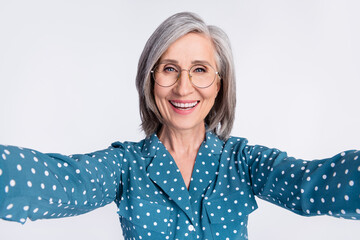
(19, 168)
(12, 183)
(29, 184)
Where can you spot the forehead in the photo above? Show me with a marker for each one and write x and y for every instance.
(190, 48)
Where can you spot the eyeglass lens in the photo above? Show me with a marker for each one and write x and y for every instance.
(201, 75)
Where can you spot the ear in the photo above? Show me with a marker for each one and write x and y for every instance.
(218, 85)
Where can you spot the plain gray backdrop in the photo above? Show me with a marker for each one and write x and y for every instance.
(67, 71)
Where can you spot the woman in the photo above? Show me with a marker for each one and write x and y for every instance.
(188, 179)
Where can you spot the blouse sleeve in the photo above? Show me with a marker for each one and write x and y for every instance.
(329, 186)
(35, 185)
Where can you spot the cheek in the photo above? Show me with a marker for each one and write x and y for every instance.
(209, 99)
(211, 93)
(160, 94)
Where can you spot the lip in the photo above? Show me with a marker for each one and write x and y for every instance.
(184, 111)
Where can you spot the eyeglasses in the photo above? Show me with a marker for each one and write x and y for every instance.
(200, 75)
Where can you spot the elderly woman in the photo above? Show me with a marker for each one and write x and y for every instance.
(188, 179)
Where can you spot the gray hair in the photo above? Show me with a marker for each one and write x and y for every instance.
(221, 117)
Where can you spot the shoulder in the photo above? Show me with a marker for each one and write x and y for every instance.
(242, 143)
(239, 147)
(236, 143)
(146, 147)
(128, 146)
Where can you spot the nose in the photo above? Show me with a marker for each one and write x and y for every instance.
(183, 85)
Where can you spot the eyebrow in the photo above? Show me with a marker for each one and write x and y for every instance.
(192, 62)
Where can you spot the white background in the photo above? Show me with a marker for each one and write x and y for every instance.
(67, 71)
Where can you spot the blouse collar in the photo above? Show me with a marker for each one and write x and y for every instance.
(211, 145)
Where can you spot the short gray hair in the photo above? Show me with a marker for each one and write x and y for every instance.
(221, 117)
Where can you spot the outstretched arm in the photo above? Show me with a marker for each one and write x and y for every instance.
(329, 186)
(35, 185)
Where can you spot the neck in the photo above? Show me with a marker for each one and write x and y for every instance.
(181, 141)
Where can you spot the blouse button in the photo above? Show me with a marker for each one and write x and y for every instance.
(191, 228)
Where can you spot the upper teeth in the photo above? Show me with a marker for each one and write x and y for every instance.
(184, 105)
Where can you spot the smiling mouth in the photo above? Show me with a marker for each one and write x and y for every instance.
(184, 106)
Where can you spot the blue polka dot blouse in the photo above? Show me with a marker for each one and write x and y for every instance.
(153, 201)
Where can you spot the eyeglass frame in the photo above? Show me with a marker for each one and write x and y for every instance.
(188, 70)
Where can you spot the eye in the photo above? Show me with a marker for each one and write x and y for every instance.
(169, 69)
(199, 69)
